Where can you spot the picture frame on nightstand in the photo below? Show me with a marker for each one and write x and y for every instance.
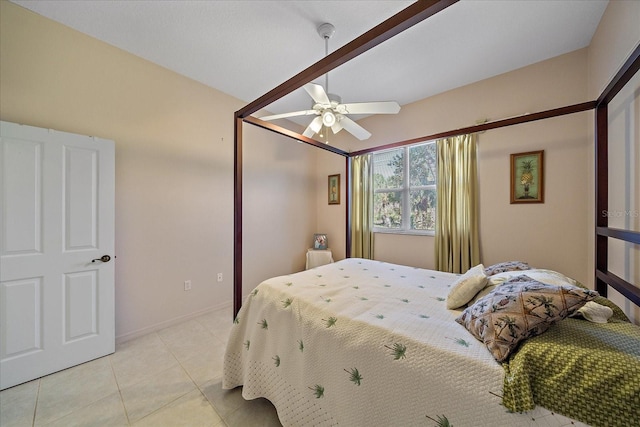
(320, 241)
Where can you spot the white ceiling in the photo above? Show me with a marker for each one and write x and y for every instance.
(246, 48)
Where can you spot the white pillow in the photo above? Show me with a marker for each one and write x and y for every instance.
(466, 287)
(549, 277)
(595, 312)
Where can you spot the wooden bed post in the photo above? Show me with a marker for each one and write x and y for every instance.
(602, 193)
(348, 209)
(237, 216)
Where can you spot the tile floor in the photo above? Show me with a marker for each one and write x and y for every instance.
(167, 378)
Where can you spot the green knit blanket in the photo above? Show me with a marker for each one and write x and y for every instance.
(587, 371)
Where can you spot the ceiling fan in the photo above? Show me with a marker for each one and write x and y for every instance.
(328, 108)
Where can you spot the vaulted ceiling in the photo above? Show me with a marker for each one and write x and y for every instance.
(246, 48)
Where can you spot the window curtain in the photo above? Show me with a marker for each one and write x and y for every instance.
(457, 242)
(362, 206)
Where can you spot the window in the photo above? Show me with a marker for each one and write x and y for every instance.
(404, 187)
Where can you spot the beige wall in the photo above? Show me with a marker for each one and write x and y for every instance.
(332, 218)
(617, 35)
(174, 168)
(279, 205)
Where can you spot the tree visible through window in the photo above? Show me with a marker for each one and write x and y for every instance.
(404, 185)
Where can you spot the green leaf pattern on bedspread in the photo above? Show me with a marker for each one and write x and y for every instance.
(331, 321)
(354, 375)
(441, 421)
(318, 391)
(609, 352)
(399, 351)
(461, 341)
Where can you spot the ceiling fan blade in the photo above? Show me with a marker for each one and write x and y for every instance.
(354, 128)
(314, 127)
(291, 114)
(384, 107)
(317, 92)
(337, 127)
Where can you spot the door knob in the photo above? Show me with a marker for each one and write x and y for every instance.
(103, 258)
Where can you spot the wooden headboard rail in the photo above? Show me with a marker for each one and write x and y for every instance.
(403, 20)
(603, 277)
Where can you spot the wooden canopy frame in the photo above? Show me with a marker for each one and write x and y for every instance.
(603, 232)
(403, 20)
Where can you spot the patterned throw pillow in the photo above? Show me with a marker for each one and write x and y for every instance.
(519, 309)
(501, 267)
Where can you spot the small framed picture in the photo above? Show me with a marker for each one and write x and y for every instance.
(319, 241)
(527, 177)
(334, 189)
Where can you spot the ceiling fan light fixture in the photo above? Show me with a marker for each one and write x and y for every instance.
(328, 118)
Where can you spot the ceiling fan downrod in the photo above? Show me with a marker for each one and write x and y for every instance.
(326, 31)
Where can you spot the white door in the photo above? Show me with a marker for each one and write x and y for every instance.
(57, 221)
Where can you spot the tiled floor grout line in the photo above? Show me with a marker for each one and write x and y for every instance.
(35, 405)
(115, 377)
(166, 346)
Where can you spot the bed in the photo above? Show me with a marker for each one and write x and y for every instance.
(361, 342)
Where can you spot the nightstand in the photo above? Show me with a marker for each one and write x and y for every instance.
(317, 257)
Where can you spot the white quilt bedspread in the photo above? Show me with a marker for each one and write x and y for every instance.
(363, 343)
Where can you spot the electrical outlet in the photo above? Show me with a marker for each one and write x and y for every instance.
(187, 285)
(219, 277)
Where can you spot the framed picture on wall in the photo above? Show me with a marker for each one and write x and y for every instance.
(527, 177)
(334, 189)
(320, 241)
